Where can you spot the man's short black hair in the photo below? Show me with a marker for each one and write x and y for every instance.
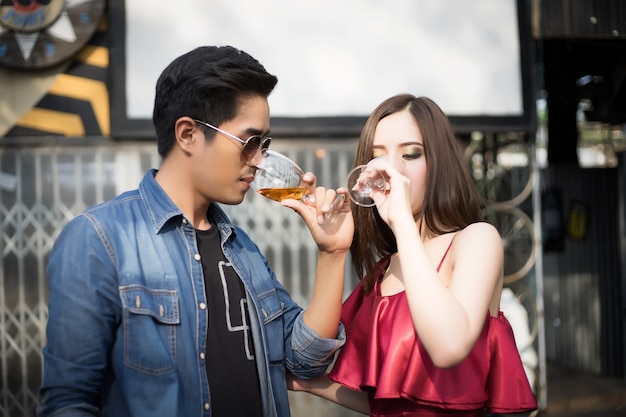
(206, 83)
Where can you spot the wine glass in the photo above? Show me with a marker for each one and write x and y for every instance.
(367, 179)
(279, 178)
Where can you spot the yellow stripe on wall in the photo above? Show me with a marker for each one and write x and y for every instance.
(95, 92)
(65, 124)
(97, 56)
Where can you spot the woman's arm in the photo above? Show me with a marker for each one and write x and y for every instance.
(449, 313)
(332, 391)
(449, 317)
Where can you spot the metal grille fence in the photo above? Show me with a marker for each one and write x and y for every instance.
(42, 188)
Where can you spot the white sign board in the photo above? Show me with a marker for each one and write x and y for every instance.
(341, 57)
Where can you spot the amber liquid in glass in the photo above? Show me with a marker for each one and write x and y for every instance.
(279, 194)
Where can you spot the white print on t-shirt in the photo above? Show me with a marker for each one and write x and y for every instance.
(245, 328)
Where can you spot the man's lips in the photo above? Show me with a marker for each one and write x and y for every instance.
(247, 179)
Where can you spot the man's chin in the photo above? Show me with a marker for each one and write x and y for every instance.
(233, 201)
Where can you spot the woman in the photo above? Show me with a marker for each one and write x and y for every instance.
(425, 334)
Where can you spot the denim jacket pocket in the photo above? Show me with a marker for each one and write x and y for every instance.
(149, 323)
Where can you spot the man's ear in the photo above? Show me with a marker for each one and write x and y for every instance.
(186, 132)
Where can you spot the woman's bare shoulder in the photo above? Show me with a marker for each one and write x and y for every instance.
(482, 233)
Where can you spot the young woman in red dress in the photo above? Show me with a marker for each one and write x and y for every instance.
(425, 334)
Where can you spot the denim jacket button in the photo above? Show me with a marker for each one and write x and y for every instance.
(202, 355)
(207, 406)
(202, 306)
(196, 256)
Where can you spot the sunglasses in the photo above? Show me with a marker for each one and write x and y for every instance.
(251, 147)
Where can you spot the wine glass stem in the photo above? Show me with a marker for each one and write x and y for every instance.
(331, 214)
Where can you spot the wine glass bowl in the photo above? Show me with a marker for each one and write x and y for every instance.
(364, 180)
(279, 178)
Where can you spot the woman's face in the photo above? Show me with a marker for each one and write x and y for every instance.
(397, 135)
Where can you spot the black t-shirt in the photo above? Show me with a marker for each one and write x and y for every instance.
(230, 362)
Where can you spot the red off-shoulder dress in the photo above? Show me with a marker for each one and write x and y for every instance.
(384, 357)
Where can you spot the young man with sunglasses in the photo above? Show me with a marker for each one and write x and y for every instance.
(159, 305)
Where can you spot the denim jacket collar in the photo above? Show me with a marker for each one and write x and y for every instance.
(162, 209)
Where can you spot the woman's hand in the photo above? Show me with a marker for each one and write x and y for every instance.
(332, 391)
(297, 384)
(394, 203)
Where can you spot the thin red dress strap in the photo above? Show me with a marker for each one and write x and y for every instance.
(447, 250)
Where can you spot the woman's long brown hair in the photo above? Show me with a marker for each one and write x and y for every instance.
(451, 201)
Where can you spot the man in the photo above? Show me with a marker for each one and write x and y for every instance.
(159, 306)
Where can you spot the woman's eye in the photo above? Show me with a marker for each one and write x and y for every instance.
(415, 155)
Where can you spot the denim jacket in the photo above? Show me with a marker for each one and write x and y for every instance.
(127, 323)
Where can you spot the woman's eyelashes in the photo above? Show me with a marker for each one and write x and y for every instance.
(408, 154)
(412, 155)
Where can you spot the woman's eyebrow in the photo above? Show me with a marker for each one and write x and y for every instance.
(413, 142)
